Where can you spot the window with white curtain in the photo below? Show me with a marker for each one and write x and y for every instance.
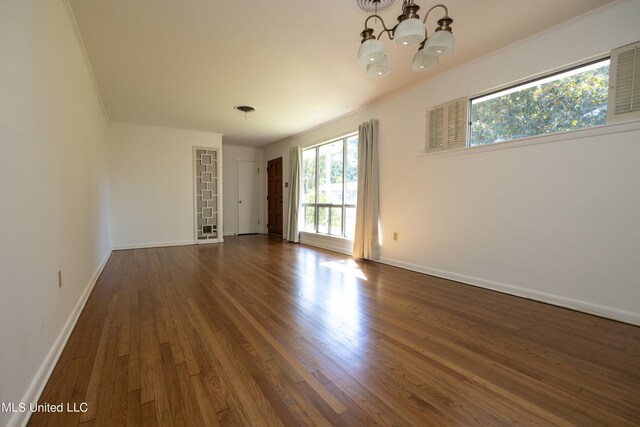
(330, 187)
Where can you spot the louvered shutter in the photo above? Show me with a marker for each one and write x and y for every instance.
(434, 134)
(447, 126)
(457, 123)
(624, 84)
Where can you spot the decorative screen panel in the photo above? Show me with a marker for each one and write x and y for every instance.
(206, 176)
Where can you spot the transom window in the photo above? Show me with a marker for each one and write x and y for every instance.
(330, 187)
(601, 92)
(572, 99)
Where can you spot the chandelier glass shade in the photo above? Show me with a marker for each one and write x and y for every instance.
(380, 67)
(424, 61)
(440, 43)
(410, 30)
(370, 51)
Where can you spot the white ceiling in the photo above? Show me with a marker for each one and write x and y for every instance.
(186, 64)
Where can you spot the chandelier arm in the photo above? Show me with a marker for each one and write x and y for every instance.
(446, 12)
(388, 31)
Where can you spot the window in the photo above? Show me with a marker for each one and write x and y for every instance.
(570, 100)
(602, 92)
(330, 187)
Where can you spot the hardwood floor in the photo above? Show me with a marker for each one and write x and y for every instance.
(260, 332)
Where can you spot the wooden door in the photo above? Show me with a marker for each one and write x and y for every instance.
(274, 196)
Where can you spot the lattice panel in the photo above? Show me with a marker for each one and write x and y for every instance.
(206, 163)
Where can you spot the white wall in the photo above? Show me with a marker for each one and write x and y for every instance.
(233, 153)
(53, 188)
(556, 222)
(151, 183)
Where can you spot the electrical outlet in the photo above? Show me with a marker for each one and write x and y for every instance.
(59, 279)
(395, 235)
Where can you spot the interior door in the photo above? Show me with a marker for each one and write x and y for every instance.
(274, 196)
(247, 191)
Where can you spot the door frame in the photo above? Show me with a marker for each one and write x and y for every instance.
(257, 197)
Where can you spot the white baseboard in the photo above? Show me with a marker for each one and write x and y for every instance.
(153, 245)
(38, 383)
(208, 241)
(579, 305)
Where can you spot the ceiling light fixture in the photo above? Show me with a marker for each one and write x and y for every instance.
(409, 30)
(245, 109)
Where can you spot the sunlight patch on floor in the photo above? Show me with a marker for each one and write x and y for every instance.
(347, 266)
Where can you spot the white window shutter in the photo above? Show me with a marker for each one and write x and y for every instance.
(624, 84)
(435, 125)
(447, 126)
(457, 123)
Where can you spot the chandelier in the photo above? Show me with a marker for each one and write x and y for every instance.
(409, 30)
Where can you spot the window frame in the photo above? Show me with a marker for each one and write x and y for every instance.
(529, 80)
(615, 123)
(316, 206)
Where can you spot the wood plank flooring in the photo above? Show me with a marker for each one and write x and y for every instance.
(260, 332)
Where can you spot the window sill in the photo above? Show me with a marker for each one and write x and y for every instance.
(608, 129)
(325, 241)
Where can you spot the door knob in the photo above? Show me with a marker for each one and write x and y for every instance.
(239, 201)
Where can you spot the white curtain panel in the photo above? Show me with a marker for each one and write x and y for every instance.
(366, 243)
(295, 166)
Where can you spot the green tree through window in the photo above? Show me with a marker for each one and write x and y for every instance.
(571, 100)
(330, 187)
